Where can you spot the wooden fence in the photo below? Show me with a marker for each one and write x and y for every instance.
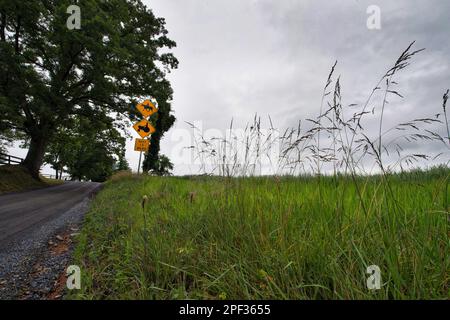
(8, 159)
(54, 177)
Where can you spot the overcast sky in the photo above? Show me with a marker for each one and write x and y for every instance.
(239, 57)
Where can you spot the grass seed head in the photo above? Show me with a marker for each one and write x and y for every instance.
(192, 196)
(445, 98)
(144, 201)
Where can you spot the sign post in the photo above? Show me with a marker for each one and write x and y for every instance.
(144, 128)
(139, 165)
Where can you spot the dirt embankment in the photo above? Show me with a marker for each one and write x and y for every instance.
(15, 178)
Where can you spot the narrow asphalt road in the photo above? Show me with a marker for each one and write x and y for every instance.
(36, 232)
(21, 211)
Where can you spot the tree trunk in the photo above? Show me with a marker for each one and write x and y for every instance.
(56, 174)
(35, 156)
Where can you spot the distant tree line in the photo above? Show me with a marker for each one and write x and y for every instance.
(87, 151)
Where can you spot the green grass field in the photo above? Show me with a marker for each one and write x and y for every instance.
(267, 238)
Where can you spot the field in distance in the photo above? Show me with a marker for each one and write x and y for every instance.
(267, 238)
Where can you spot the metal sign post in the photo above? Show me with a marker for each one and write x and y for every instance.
(141, 145)
(139, 165)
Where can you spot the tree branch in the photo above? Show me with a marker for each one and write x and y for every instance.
(17, 34)
(2, 26)
(71, 64)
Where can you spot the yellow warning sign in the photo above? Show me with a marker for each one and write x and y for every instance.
(141, 145)
(144, 128)
(146, 108)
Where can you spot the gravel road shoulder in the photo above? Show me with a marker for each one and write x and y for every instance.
(34, 267)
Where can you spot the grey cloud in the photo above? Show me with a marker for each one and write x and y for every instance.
(273, 57)
(239, 57)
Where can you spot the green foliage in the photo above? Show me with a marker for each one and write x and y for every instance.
(162, 166)
(163, 122)
(90, 150)
(6, 137)
(51, 73)
(122, 164)
(266, 238)
(3, 145)
(58, 152)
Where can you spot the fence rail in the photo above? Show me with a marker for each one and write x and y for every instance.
(8, 159)
(54, 177)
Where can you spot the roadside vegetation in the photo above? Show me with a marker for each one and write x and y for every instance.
(15, 178)
(267, 238)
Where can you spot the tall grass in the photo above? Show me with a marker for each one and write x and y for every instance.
(336, 137)
(307, 232)
(265, 238)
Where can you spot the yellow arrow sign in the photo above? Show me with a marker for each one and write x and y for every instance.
(144, 128)
(141, 145)
(146, 108)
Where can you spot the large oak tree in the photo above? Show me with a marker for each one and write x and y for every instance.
(50, 73)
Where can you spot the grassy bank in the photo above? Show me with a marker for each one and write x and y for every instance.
(15, 178)
(266, 238)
